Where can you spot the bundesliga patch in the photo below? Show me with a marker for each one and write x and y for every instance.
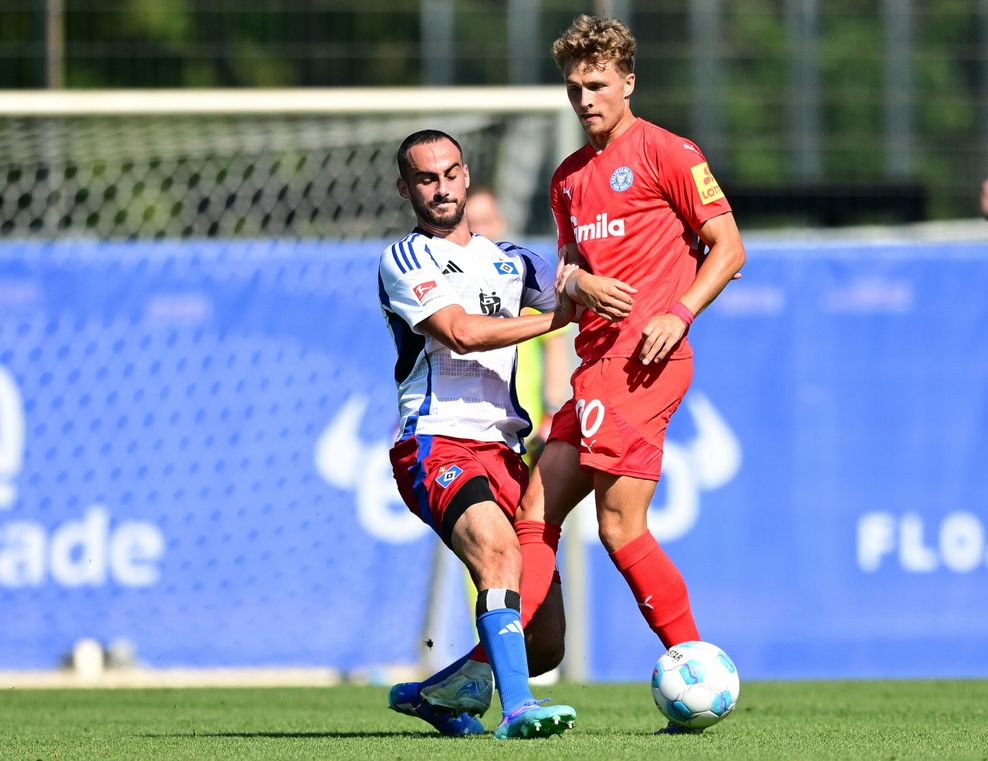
(506, 268)
(622, 179)
(447, 475)
(705, 183)
(422, 289)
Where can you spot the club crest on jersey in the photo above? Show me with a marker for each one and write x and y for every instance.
(622, 179)
(422, 289)
(506, 268)
(601, 227)
(448, 474)
(490, 304)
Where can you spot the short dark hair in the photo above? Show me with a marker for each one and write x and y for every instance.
(422, 137)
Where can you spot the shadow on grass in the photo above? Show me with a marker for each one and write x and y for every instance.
(307, 735)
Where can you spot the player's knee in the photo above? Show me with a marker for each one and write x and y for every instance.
(498, 565)
(614, 534)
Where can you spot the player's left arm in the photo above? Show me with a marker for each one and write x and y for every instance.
(723, 261)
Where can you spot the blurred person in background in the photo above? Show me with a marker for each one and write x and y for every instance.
(484, 213)
(545, 362)
(984, 198)
(452, 301)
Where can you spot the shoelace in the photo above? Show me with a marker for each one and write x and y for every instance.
(522, 708)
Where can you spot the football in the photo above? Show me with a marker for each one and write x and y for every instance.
(695, 684)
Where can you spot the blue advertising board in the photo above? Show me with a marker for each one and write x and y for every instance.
(193, 457)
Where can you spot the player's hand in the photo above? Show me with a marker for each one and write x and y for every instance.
(659, 336)
(563, 273)
(565, 307)
(605, 296)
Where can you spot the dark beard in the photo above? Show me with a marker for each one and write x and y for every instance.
(426, 214)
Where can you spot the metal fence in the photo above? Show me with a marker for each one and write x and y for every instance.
(811, 112)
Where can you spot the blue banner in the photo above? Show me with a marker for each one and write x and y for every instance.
(193, 457)
(830, 511)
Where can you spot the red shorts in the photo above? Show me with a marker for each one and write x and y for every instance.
(439, 477)
(619, 413)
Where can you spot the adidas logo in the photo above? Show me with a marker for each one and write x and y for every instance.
(513, 628)
(451, 267)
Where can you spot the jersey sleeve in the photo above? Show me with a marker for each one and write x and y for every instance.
(688, 183)
(539, 290)
(412, 285)
(559, 203)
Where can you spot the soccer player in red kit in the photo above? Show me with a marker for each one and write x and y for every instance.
(636, 207)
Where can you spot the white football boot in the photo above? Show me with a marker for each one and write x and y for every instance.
(469, 689)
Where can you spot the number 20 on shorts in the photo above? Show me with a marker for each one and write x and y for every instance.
(591, 415)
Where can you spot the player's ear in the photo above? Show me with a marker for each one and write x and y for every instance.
(402, 187)
(466, 175)
(629, 85)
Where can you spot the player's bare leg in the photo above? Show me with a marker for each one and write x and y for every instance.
(487, 544)
(485, 541)
(465, 685)
(658, 587)
(558, 484)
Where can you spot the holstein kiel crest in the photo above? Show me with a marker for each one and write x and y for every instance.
(622, 179)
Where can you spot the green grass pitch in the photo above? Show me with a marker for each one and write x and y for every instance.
(885, 721)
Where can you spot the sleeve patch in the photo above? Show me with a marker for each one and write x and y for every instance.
(706, 184)
(423, 289)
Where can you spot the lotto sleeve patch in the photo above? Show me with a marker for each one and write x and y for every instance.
(706, 184)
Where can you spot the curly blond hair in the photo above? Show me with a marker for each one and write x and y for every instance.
(596, 41)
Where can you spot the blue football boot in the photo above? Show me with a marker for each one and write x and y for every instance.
(405, 698)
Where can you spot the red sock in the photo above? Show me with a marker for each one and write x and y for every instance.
(539, 542)
(659, 589)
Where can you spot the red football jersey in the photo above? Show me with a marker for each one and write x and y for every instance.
(633, 211)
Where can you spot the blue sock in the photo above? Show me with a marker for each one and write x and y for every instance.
(499, 626)
(440, 675)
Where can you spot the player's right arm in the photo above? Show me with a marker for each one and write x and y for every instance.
(465, 333)
(414, 288)
(606, 296)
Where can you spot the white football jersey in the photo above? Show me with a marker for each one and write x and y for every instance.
(440, 392)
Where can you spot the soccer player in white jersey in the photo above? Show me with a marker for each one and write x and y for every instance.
(452, 301)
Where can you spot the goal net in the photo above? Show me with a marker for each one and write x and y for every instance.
(194, 427)
(270, 164)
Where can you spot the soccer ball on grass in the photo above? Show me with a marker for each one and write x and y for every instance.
(695, 684)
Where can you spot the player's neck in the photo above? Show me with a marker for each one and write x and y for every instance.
(600, 142)
(460, 235)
